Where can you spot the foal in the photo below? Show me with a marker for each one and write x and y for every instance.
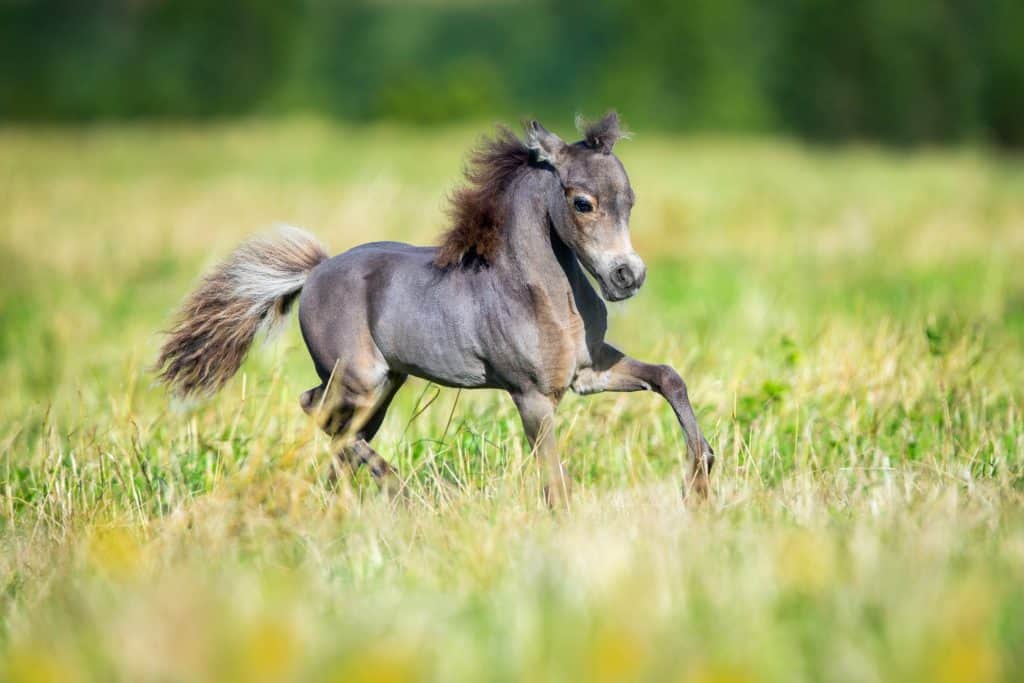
(503, 303)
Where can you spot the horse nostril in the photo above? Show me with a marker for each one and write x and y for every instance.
(623, 277)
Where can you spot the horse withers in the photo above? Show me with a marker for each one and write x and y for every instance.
(502, 303)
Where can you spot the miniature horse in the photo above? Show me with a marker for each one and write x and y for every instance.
(503, 303)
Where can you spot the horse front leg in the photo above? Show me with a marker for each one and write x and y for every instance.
(538, 414)
(615, 371)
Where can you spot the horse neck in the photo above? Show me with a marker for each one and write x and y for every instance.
(532, 253)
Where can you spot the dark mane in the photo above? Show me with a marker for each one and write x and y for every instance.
(477, 208)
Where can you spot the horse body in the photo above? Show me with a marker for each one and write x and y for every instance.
(513, 325)
(504, 303)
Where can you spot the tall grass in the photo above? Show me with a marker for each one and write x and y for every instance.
(851, 326)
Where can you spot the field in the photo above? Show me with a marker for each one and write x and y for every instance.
(850, 323)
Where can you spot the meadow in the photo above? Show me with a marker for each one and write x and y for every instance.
(850, 322)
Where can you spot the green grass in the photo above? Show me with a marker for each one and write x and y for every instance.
(850, 323)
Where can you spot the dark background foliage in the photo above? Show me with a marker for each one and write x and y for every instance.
(907, 72)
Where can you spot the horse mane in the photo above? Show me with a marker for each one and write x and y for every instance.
(477, 208)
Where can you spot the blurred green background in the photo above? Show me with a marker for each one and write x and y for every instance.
(849, 319)
(908, 72)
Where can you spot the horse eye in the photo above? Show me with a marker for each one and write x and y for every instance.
(582, 205)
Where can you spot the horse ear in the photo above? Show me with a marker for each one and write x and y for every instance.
(545, 145)
(602, 135)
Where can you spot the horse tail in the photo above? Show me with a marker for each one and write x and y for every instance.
(251, 289)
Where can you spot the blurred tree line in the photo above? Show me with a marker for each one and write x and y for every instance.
(900, 71)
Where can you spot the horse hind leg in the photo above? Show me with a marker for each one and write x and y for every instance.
(360, 452)
(352, 420)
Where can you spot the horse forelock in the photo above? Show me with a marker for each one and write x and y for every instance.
(477, 208)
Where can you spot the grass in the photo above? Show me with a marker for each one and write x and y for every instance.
(850, 323)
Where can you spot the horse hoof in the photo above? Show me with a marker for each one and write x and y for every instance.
(394, 490)
(698, 487)
(698, 481)
(556, 497)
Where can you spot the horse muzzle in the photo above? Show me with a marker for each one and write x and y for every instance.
(624, 279)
